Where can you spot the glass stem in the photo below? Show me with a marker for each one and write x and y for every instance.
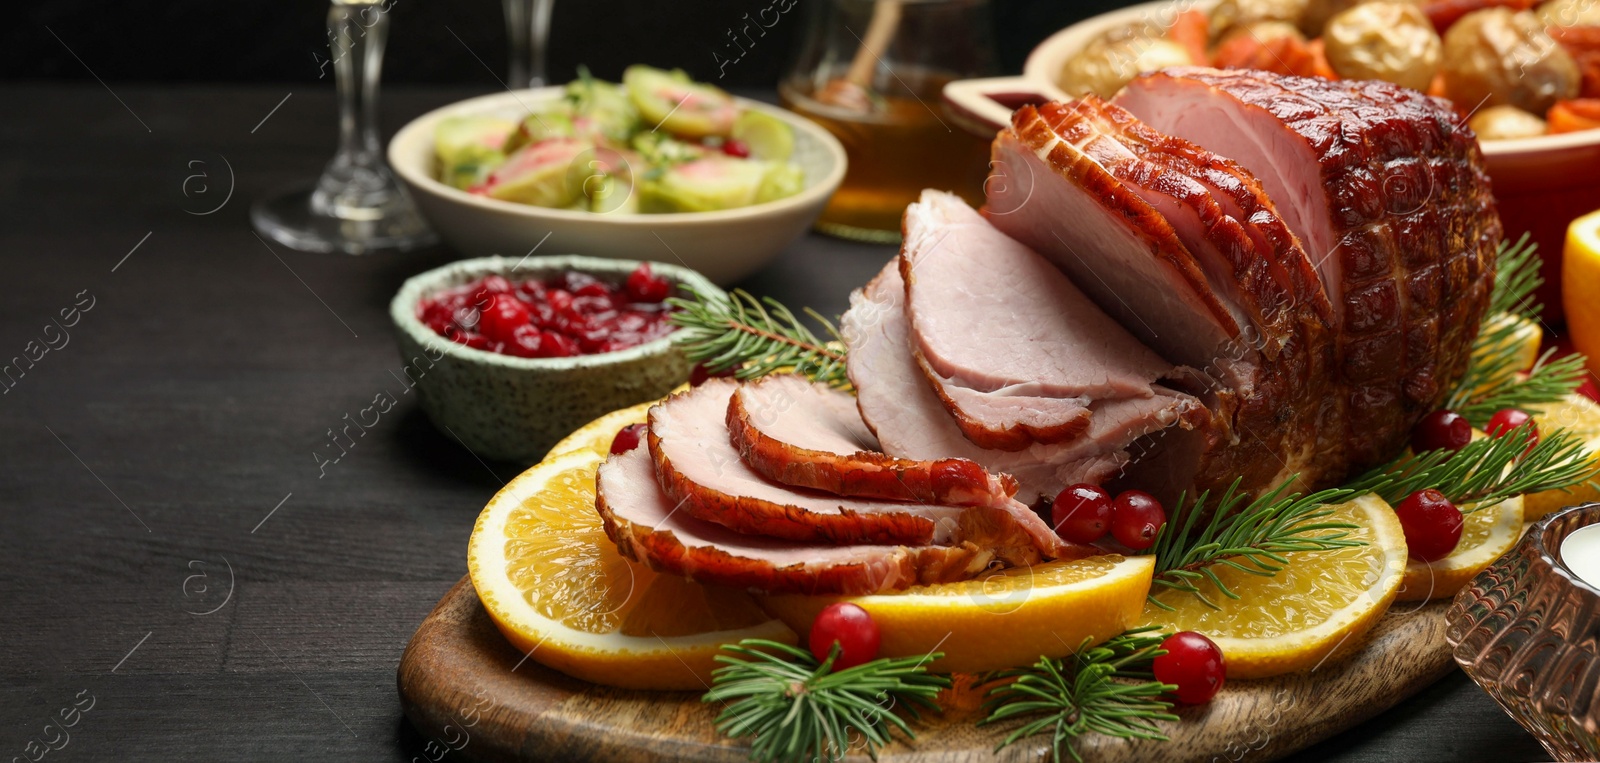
(357, 33)
(528, 28)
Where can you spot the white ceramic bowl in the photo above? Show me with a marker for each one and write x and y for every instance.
(724, 246)
(1541, 184)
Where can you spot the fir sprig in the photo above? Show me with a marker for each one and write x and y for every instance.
(1252, 539)
(756, 336)
(1106, 689)
(797, 710)
(1486, 471)
(1495, 376)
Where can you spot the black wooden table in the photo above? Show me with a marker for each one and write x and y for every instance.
(173, 566)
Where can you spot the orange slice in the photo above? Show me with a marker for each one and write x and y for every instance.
(557, 588)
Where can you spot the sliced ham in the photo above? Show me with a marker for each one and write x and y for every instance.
(698, 466)
(808, 435)
(1112, 243)
(1016, 352)
(897, 401)
(1388, 195)
(647, 527)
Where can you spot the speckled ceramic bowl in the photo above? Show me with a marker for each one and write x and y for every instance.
(513, 409)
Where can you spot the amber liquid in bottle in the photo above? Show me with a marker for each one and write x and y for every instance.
(898, 147)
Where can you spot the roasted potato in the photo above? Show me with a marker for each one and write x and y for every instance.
(1229, 14)
(1394, 42)
(1494, 57)
(1115, 58)
(1501, 122)
(1319, 12)
(1570, 13)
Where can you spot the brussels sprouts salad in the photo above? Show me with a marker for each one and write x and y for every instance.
(659, 142)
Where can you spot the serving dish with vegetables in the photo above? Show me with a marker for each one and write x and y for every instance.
(653, 167)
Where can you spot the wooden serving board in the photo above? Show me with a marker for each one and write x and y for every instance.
(474, 694)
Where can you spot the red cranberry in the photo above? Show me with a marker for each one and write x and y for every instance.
(1194, 664)
(644, 286)
(593, 289)
(1136, 517)
(559, 346)
(627, 439)
(851, 628)
(1432, 524)
(526, 342)
(1081, 513)
(504, 314)
(1507, 419)
(573, 281)
(734, 147)
(700, 374)
(495, 285)
(1441, 430)
(559, 300)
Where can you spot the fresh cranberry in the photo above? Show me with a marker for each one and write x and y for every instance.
(851, 628)
(1441, 430)
(1194, 664)
(1081, 513)
(526, 342)
(559, 300)
(589, 304)
(574, 281)
(627, 439)
(1507, 419)
(473, 339)
(644, 286)
(700, 374)
(532, 289)
(593, 289)
(1136, 517)
(495, 285)
(1432, 524)
(738, 148)
(559, 346)
(503, 316)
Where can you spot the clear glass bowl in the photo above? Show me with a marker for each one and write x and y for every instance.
(1528, 631)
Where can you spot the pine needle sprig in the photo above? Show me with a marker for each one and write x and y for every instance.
(1106, 689)
(1250, 538)
(1494, 378)
(797, 710)
(756, 336)
(1488, 470)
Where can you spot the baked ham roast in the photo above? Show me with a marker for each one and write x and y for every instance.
(1218, 276)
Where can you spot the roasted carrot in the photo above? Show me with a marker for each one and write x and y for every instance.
(1192, 30)
(1583, 42)
(1574, 115)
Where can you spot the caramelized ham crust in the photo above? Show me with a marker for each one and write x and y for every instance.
(647, 527)
(1388, 195)
(808, 435)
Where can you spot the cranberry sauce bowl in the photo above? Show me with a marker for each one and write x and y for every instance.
(509, 356)
(1527, 630)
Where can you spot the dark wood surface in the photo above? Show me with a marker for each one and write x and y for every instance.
(167, 546)
(471, 692)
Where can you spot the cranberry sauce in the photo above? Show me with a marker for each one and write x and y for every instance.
(568, 314)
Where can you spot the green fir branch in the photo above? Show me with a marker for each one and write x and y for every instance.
(1106, 689)
(796, 710)
(1486, 471)
(757, 337)
(1495, 377)
(1252, 539)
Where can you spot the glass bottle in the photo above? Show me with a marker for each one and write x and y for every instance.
(871, 72)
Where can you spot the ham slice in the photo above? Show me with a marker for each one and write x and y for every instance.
(698, 466)
(1042, 354)
(1388, 195)
(1113, 245)
(647, 527)
(808, 435)
(897, 401)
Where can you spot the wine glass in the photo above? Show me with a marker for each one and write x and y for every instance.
(528, 27)
(356, 206)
